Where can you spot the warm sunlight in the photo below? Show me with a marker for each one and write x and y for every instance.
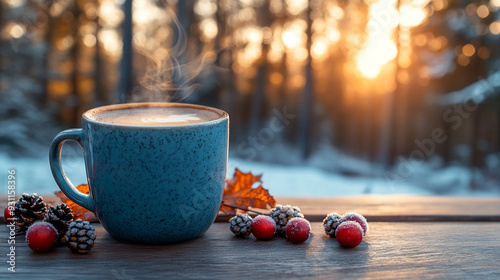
(411, 15)
(380, 47)
(290, 38)
(111, 42)
(377, 53)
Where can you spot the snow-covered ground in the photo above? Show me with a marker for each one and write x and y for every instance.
(307, 181)
(34, 175)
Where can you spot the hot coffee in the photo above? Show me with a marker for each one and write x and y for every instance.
(155, 171)
(156, 115)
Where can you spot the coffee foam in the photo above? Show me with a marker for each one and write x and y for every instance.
(154, 116)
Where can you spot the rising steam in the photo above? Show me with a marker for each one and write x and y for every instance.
(172, 79)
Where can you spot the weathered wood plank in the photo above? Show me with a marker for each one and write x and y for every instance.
(390, 251)
(401, 205)
(384, 205)
(400, 218)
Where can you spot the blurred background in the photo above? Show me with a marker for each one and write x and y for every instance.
(326, 97)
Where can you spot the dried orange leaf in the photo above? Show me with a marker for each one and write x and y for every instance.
(239, 194)
(78, 211)
(241, 181)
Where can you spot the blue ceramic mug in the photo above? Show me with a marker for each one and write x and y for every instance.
(155, 170)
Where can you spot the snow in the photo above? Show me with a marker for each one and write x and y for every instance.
(308, 181)
(478, 92)
(34, 175)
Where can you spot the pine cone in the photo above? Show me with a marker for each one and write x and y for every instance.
(282, 214)
(331, 222)
(241, 225)
(80, 236)
(28, 209)
(60, 217)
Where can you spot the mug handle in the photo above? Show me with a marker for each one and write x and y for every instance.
(64, 183)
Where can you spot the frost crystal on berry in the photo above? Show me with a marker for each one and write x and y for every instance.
(263, 227)
(349, 234)
(298, 230)
(356, 217)
(282, 214)
(41, 236)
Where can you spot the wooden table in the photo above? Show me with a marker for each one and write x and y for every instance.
(439, 245)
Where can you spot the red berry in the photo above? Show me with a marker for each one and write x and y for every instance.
(41, 236)
(353, 216)
(263, 227)
(8, 213)
(297, 230)
(349, 234)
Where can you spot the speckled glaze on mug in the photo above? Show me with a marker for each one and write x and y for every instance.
(149, 184)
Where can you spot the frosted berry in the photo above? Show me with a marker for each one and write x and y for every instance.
(349, 234)
(8, 213)
(298, 230)
(41, 236)
(353, 216)
(281, 214)
(263, 227)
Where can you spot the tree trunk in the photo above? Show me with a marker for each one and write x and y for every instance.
(125, 83)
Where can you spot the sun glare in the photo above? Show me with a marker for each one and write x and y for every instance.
(375, 45)
(320, 48)
(377, 53)
(380, 47)
(368, 68)
(209, 28)
(290, 39)
(411, 15)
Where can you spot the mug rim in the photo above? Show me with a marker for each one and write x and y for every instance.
(86, 115)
